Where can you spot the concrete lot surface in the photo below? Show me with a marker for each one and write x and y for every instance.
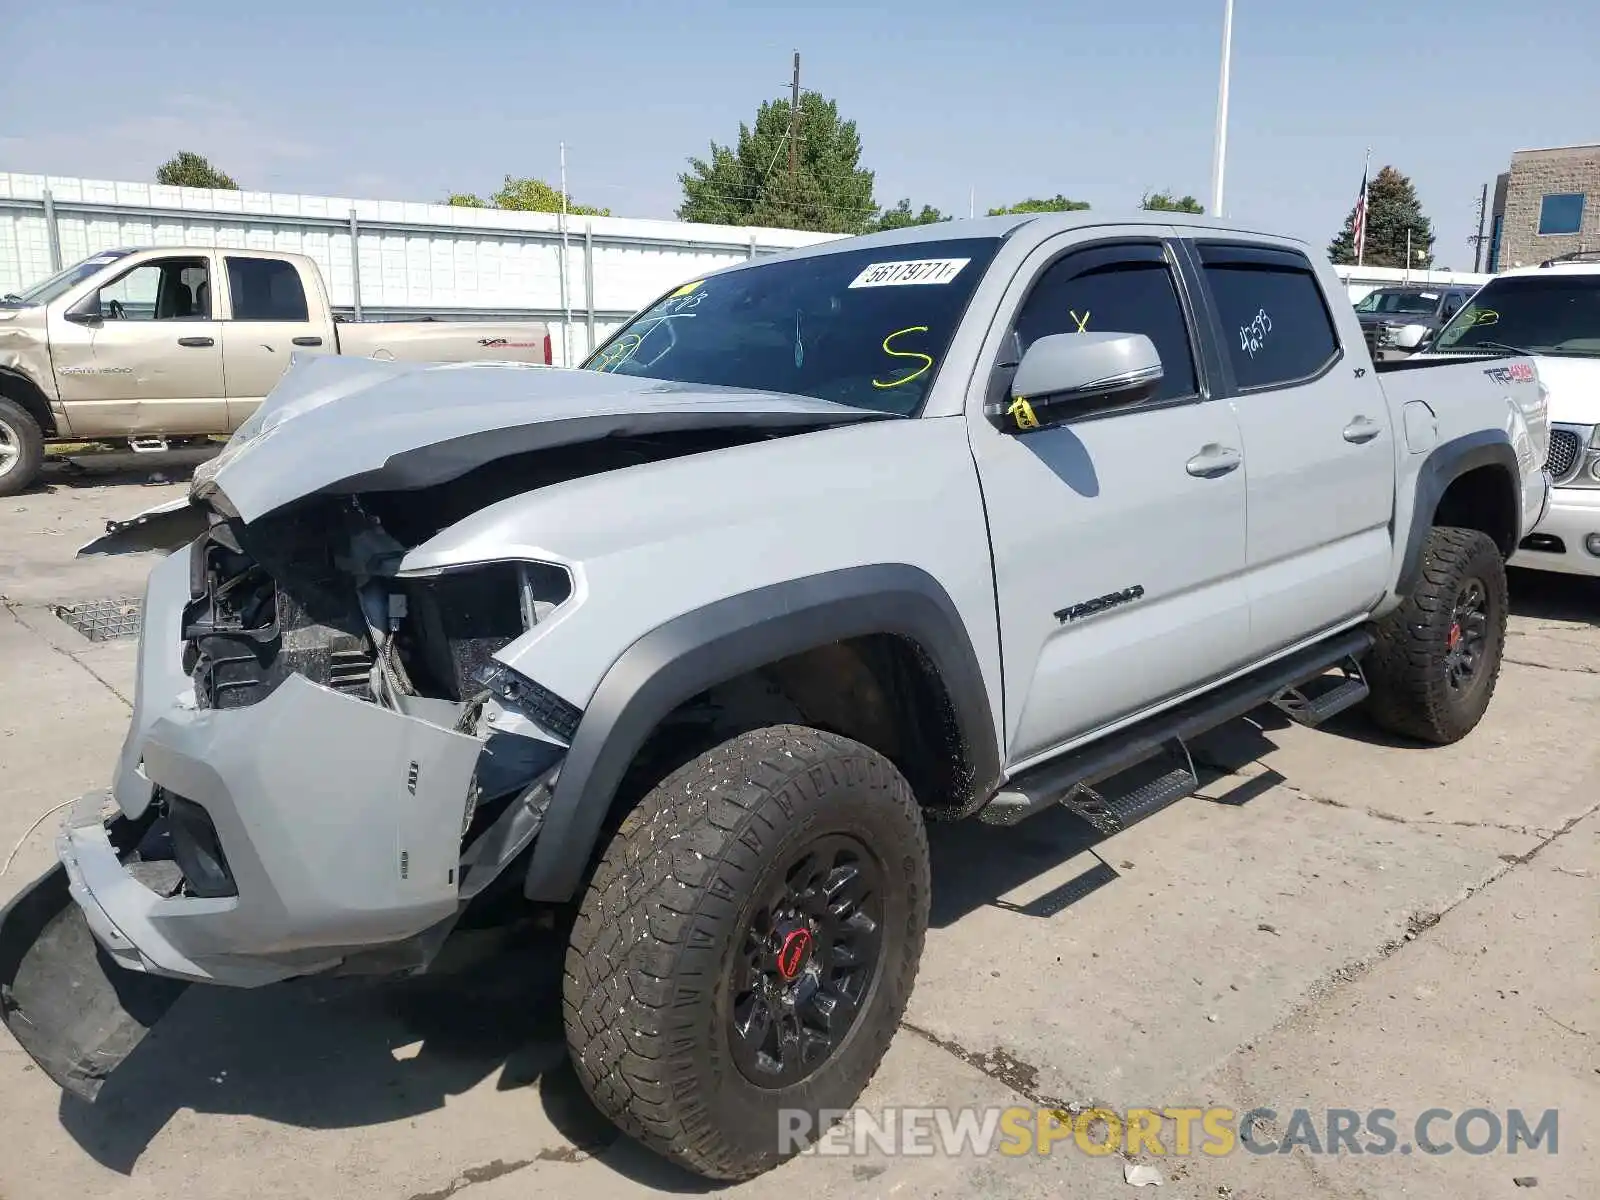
(1336, 922)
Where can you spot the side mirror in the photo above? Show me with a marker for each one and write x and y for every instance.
(1064, 375)
(86, 311)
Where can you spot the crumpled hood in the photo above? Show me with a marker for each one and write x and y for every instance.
(1574, 385)
(344, 424)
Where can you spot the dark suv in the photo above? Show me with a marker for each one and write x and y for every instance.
(1396, 321)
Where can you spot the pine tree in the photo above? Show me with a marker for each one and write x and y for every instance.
(750, 183)
(1392, 209)
(188, 169)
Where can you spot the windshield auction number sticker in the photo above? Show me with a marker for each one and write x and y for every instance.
(903, 274)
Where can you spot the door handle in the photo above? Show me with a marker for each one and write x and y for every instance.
(1213, 461)
(308, 341)
(197, 341)
(1362, 430)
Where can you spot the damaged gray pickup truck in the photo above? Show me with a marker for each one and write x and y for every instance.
(969, 520)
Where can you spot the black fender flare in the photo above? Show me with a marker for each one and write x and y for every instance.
(1445, 464)
(693, 652)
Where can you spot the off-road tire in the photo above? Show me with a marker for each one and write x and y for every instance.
(20, 432)
(647, 996)
(1411, 692)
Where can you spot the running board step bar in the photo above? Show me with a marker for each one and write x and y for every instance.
(1051, 783)
(1113, 813)
(1323, 698)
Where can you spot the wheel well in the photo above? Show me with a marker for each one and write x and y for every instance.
(882, 690)
(1484, 499)
(25, 392)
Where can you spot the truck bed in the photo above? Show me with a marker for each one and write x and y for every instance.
(445, 341)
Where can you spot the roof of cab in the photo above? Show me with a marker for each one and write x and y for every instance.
(1042, 224)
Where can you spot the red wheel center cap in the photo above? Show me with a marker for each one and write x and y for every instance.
(793, 953)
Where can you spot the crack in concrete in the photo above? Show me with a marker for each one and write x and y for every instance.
(1397, 819)
(1418, 923)
(70, 657)
(471, 1175)
(1523, 662)
(1003, 1067)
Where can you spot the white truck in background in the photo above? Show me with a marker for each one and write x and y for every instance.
(1551, 311)
(138, 346)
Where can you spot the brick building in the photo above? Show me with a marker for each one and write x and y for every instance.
(1547, 204)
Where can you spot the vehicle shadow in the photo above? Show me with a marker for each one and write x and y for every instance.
(341, 1054)
(104, 468)
(1547, 596)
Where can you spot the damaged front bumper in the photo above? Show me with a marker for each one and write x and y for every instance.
(308, 832)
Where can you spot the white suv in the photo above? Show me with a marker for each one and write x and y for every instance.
(1552, 311)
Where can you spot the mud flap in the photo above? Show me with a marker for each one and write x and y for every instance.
(74, 1010)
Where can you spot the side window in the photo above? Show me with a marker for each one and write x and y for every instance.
(266, 289)
(1275, 324)
(1452, 303)
(168, 289)
(1114, 289)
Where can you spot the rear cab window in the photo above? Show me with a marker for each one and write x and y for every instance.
(1276, 328)
(266, 289)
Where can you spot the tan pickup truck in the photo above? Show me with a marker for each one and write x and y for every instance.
(140, 346)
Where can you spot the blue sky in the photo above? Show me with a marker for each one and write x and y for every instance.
(1100, 99)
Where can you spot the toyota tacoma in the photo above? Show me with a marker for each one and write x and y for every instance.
(684, 647)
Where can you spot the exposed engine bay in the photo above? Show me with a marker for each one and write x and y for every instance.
(332, 761)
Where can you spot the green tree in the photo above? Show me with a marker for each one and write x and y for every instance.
(1392, 210)
(901, 216)
(188, 169)
(1056, 203)
(1164, 201)
(749, 183)
(526, 195)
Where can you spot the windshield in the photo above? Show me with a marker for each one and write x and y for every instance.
(65, 280)
(1541, 314)
(1382, 301)
(866, 327)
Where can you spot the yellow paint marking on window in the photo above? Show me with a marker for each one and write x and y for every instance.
(927, 359)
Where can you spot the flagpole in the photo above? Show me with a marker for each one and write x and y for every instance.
(1366, 174)
(1220, 146)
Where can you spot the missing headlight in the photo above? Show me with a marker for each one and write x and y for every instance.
(458, 620)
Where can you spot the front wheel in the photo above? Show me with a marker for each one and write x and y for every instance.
(21, 447)
(1434, 668)
(747, 946)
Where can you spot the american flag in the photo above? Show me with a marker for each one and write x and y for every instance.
(1358, 224)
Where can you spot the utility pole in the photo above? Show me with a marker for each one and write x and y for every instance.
(566, 287)
(794, 116)
(1477, 242)
(1219, 151)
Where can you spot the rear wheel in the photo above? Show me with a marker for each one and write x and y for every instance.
(1434, 668)
(21, 447)
(747, 947)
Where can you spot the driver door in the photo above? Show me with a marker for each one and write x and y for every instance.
(143, 354)
(1144, 503)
